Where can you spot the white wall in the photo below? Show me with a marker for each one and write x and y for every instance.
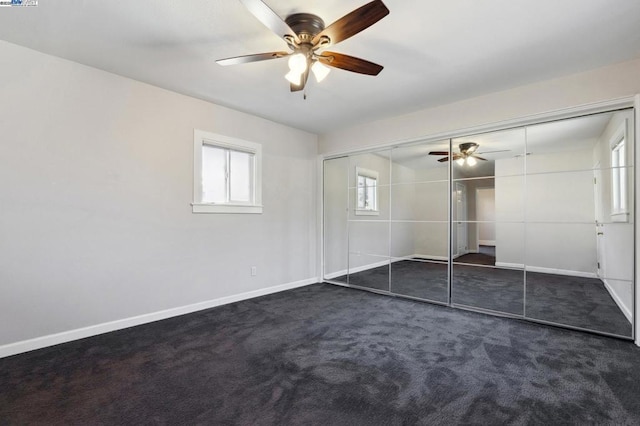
(598, 85)
(95, 188)
(486, 212)
(559, 210)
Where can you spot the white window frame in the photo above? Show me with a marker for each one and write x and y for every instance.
(201, 138)
(620, 174)
(371, 174)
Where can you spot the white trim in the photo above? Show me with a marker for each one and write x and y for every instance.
(625, 310)
(94, 330)
(430, 257)
(226, 208)
(361, 212)
(358, 269)
(544, 270)
(487, 243)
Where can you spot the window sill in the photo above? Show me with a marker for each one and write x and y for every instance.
(367, 213)
(226, 208)
(620, 217)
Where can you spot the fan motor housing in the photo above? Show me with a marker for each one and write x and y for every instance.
(305, 25)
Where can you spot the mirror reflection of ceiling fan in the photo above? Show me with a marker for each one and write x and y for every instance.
(467, 154)
(307, 37)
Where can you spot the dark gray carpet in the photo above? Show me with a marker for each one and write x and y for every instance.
(327, 355)
(477, 259)
(574, 301)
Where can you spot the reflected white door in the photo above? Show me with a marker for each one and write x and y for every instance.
(599, 228)
(461, 217)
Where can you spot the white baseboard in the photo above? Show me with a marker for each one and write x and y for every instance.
(356, 270)
(487, 242)
(430, 257)
(543, 270)
(625, 310)
(94, 330)
(508, 265)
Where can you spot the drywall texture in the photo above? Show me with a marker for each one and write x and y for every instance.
(96, 185)
(598, 85)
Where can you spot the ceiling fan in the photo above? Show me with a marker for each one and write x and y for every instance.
(466, 155)
(307, 37)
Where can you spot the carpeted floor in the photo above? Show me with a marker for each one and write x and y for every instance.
(323, 355)
(574, 301)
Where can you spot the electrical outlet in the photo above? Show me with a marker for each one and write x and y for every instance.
(254, 271)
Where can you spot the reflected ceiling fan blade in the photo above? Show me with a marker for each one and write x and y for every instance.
(442, 160)
(353, 22)
(439, 153)
(251, 58)
(269, 18)
(349, 63)
(492, 152)
(472, 149)
(479, 158)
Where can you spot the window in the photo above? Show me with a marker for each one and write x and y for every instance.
(226, 174)
(367, 192)
(619, 204)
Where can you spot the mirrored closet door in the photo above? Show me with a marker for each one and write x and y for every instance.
(420, 221)
(488, 221)
(580, 222)
(534, 222)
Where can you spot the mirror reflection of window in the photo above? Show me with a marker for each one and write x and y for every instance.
(367, 196)
(618, 174)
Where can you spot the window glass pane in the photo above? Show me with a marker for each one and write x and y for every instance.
(240, 173)
(361, 197)
(213, 174)
(370, 202)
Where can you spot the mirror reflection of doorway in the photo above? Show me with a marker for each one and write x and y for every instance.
(486, 229)
(461, 235)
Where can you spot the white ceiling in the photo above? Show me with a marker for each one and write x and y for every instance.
(434, 52)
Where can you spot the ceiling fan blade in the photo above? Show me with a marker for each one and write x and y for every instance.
(439, 153)
(251, 58)
(354, 22)
(349, 63)
(269, 18)
(479, 158)
(442, 160)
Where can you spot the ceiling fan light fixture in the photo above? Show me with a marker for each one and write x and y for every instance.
(471, 161)
(460, 161)
(319, 71)
(298, 63)
(294, 77)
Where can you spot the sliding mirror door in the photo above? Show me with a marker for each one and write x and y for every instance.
(580, 222)
(336, 202)
(487, 226)
(420, 221)
(534, 222)
(368, 220)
